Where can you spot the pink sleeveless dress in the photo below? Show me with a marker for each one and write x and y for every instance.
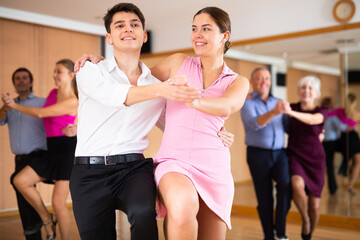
(190, 145)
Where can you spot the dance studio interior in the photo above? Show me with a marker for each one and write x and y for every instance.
(292, 39)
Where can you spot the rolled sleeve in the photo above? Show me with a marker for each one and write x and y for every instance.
(249, 116)
(95, 84)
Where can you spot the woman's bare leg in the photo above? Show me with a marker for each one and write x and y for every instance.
(24, 182)
(211, 226)
(60, 194)
(301, 201)
(180, 198)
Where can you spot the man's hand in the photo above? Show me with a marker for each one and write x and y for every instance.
(70, 130)
(178, 89)
(8, 100)
(226, 137)
(86, 57)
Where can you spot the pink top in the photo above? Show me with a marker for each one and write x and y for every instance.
(340, 113)
(191, 146)
(53, 125)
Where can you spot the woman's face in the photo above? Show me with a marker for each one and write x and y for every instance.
(307, 93)
(62, 75)
(206, 37)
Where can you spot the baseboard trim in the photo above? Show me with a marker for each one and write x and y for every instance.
(294, 217)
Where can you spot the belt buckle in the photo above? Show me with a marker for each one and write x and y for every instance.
(106, 162)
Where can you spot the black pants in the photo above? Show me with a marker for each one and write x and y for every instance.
(98, 190)
(266, 166)
(30, 219)
(330, 148)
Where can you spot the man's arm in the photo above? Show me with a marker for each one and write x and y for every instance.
(91, 83)
(281, 107)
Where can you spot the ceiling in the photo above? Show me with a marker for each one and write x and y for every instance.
(321, 49)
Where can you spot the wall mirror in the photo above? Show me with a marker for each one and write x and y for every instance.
(326, 53)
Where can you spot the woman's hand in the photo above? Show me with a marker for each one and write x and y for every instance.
(226, 137)
(87, 57)
(8, 100)
(70, 130)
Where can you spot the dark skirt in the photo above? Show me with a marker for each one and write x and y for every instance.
(58, 162)
(349, 144)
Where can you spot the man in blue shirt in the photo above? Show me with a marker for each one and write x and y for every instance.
(262, 116)
(333, 128)
(27, 140)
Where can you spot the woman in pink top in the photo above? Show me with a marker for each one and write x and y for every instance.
(192, 167)
(59, 111)
(350, 143)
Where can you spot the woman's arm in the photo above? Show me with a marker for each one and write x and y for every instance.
(66, 106)
(232, 100)
(308, 118)
(168, 67)
(355, 116)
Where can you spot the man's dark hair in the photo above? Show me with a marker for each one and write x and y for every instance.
(22, 69)
(122, 7)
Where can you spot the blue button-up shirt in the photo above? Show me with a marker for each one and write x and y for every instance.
(26, 133)
(269, 136)
(333, 126)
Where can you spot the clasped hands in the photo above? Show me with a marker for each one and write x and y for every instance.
(282, 107)
(176, 88)
(8, 101)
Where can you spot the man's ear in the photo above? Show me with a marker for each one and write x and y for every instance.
(108, 39)
(145, 37)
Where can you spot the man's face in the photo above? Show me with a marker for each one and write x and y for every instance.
(127, 33)
(22, 82)
(261, 82)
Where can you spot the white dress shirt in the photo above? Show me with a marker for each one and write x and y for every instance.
(105, 125)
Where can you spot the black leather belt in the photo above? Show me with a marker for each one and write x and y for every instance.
(108, 160)
(21, 157)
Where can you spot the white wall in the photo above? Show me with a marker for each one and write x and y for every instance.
(250, 19)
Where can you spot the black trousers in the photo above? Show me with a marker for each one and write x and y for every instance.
(266, 166)
(98, 190)
(330, 148)
(30, 219)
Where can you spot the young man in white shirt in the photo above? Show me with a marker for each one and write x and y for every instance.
(119, 103)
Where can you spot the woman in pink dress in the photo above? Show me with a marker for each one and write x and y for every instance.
(59, 111)
(192, 167)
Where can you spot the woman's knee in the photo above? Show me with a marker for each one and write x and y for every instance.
(58, 203)
(297, 183)
(183, 210)
(19, 182)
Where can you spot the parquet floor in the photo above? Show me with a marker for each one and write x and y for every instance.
(244, 227)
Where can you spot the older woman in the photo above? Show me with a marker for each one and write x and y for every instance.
(306, 153)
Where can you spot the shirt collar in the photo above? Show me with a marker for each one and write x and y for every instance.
(256, 95)
(226, 71)
(30, 96)
(144, 69)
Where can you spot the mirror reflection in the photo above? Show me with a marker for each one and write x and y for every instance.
(334, 57)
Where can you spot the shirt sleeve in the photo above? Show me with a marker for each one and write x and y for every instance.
(339, 125)
(161, 122)
(5, 120)
(249, 116)
(92, 84)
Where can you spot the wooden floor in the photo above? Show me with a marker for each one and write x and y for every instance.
(243, 228)
(340, 211)
(342, 203)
